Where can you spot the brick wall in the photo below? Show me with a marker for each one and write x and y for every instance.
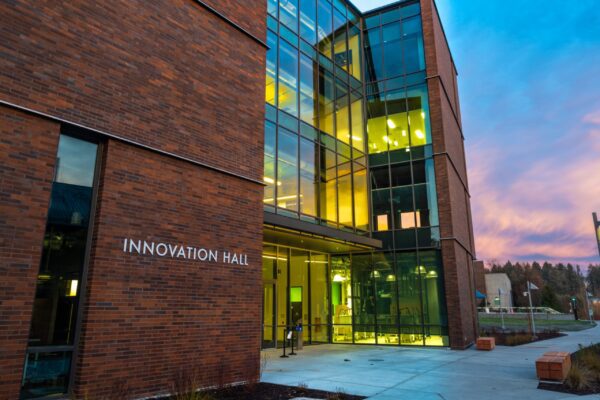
(145, 317)
(28, 148)
(167, 74)
(458, 249)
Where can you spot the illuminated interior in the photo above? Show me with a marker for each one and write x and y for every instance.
(355, 161)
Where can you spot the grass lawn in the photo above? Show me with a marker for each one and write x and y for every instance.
(491, 321)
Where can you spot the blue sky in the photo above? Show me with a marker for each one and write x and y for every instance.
(529, 76)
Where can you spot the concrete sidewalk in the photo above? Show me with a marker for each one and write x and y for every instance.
(392, 373)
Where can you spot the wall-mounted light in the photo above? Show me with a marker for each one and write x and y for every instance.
(72, 288)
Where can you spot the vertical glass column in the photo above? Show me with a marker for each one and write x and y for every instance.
(56, 303)
(319, 299)
(341, 299)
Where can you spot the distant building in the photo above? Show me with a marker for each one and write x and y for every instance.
(495, 282)
(479, 270)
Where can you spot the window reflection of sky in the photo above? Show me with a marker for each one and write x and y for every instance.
(76, 159)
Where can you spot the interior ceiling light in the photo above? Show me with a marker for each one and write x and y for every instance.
(419, 134)
(391, 124)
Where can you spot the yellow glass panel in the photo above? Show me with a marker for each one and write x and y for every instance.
(345, 199)
(361, 201)
(418, 132)
(328, 196)
(326, 116)
(377, 133)
(288, 100)
(358, 130)
(354, 54)
(270, 90)
(382, 222)
(342, 117)
(318, 292)
(398, 131)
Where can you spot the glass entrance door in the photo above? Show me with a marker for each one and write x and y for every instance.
(268, 332)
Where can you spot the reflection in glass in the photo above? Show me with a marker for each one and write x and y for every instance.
(308, 177)
(308, 18)
(287, 171)
(325, 27)
(326, 101)
(288, 78)
(269, 163)
(288, 13)
(363, 298)
(271, 76)
(59, 280)
(308, 92)
(361, 199)
(345, 208)
(328, 187)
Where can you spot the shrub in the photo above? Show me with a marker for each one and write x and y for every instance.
(518, 339)
(580, 378)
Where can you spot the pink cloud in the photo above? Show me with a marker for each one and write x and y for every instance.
(544, 210)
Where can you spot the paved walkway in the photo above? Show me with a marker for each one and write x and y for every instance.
(385, 373)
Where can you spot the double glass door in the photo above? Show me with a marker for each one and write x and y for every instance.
(295, 291)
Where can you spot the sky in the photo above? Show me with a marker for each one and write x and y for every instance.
(529, 80)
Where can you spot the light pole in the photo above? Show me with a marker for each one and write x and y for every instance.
(597, 229)
(530, 287)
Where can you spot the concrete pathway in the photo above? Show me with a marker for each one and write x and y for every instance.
(392, 373)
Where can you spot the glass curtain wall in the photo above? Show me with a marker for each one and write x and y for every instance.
(402, 181)
(315, 141)
(56, 302)
(296, 292)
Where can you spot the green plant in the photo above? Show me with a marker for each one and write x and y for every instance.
(579, 378)
(518, 339)
(185, 386)
(338, 395)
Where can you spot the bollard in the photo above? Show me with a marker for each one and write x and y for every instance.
(284, 339)
(292, 340)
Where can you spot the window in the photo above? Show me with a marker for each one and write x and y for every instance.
(308, 18)
(382, 211)
(288, 13)
(326, 101)
(308, 177)
(58, 287)
(288, 78)
(308, 93)
(392, 53)
(269, 163)
(271, 92)
(325, 27)
(287, 171)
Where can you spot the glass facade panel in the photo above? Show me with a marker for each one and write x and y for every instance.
(58, 287)
(309, 182)
(308, 21)
(288, 13)
(341, 299)
(288, 78)
(271, 82)
(287, 170)
(328, 187)
(308, 90)
(319, 299)
(269, 163)
(361, 197)
(325, 26)
(316, 170)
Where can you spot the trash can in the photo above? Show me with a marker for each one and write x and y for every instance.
(299, 338)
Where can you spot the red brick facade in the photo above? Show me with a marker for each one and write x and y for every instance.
(167, 74)
(27, 155)
(187, 88)
(147, 317)
(458, 249)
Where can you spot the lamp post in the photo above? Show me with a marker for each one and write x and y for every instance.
(530, 287)
(597, 230)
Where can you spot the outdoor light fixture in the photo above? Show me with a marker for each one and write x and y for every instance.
(391, 278)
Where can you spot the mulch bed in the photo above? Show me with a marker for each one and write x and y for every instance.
(563, 388)
(269, 391)
(512, 338)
